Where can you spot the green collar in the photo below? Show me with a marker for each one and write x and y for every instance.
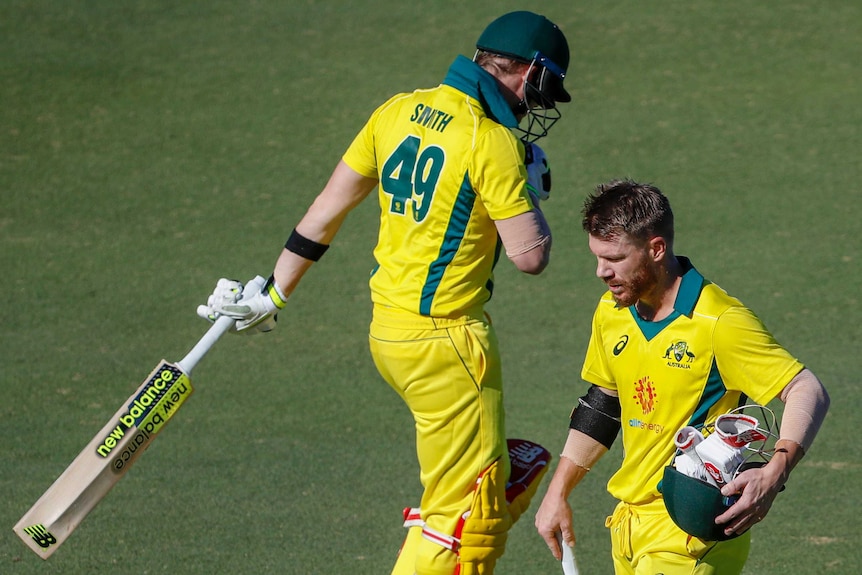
(689, 289)
(467, 76)
(686, 298)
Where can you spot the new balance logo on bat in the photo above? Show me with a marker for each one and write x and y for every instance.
(40, 535)
(143, 407)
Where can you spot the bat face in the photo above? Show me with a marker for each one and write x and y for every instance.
(105, 460)
(152, 407)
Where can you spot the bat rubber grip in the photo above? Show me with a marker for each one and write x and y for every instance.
(568, 562)
(221, 326)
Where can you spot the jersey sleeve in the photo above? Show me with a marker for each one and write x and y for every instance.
(361, 155)
(749, 358)
(596, 369)
(498, 175)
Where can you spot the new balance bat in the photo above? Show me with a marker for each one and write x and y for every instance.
(113, 451)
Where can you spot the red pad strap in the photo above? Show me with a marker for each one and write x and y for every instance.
(413, 518)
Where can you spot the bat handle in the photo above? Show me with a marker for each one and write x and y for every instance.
(221, 326)
(570, 567)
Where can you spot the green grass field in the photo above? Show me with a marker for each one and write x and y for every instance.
(148, 148)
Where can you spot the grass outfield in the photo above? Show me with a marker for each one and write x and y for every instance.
(148, 148)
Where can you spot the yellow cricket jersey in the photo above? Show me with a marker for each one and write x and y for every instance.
(709, 356)
(447, 165)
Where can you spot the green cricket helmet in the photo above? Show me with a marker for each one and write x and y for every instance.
(533, 39)
(694, 504)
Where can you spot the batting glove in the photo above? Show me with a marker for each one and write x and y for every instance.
(724, 450)
(538, 173)
(688, 462)
(258, 309)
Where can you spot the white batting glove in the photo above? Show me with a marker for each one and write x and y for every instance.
(688, 462)
(228, 290)
(257, 309)
(538, 172)
(724, 450)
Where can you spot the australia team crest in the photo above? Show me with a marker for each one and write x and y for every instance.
(679, 354)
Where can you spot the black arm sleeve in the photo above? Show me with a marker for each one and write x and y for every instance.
(597, 415)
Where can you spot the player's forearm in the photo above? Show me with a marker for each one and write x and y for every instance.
(318, 227)
(806, 404)
(787, 454)
(289, 269)
(566, 477)
(579, 455)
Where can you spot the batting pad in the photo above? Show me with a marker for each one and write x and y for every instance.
(482, 534)
(486, 525)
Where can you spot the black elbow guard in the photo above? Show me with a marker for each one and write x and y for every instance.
(597, 415)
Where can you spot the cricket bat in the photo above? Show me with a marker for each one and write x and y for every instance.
(570, 566)
(113, 450)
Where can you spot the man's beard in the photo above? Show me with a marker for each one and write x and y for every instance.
(633, 290)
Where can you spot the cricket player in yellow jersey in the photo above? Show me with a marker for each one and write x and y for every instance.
(454, 192)
(670, 349)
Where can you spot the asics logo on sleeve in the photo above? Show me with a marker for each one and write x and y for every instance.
(621, 345)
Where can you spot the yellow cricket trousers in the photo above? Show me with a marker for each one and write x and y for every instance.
(646, 541)
(448, 373)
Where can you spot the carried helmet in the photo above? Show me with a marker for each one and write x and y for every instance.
(532, 39)
(693, 503)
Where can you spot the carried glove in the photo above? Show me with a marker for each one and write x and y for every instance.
(538, 172)
(688, 462)
(258, 309)
(723, 451)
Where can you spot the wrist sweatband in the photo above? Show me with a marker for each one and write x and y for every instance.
(304, 247)
(274, 292)
(597, 415)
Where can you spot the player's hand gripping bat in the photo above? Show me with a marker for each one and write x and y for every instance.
(570, 566)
